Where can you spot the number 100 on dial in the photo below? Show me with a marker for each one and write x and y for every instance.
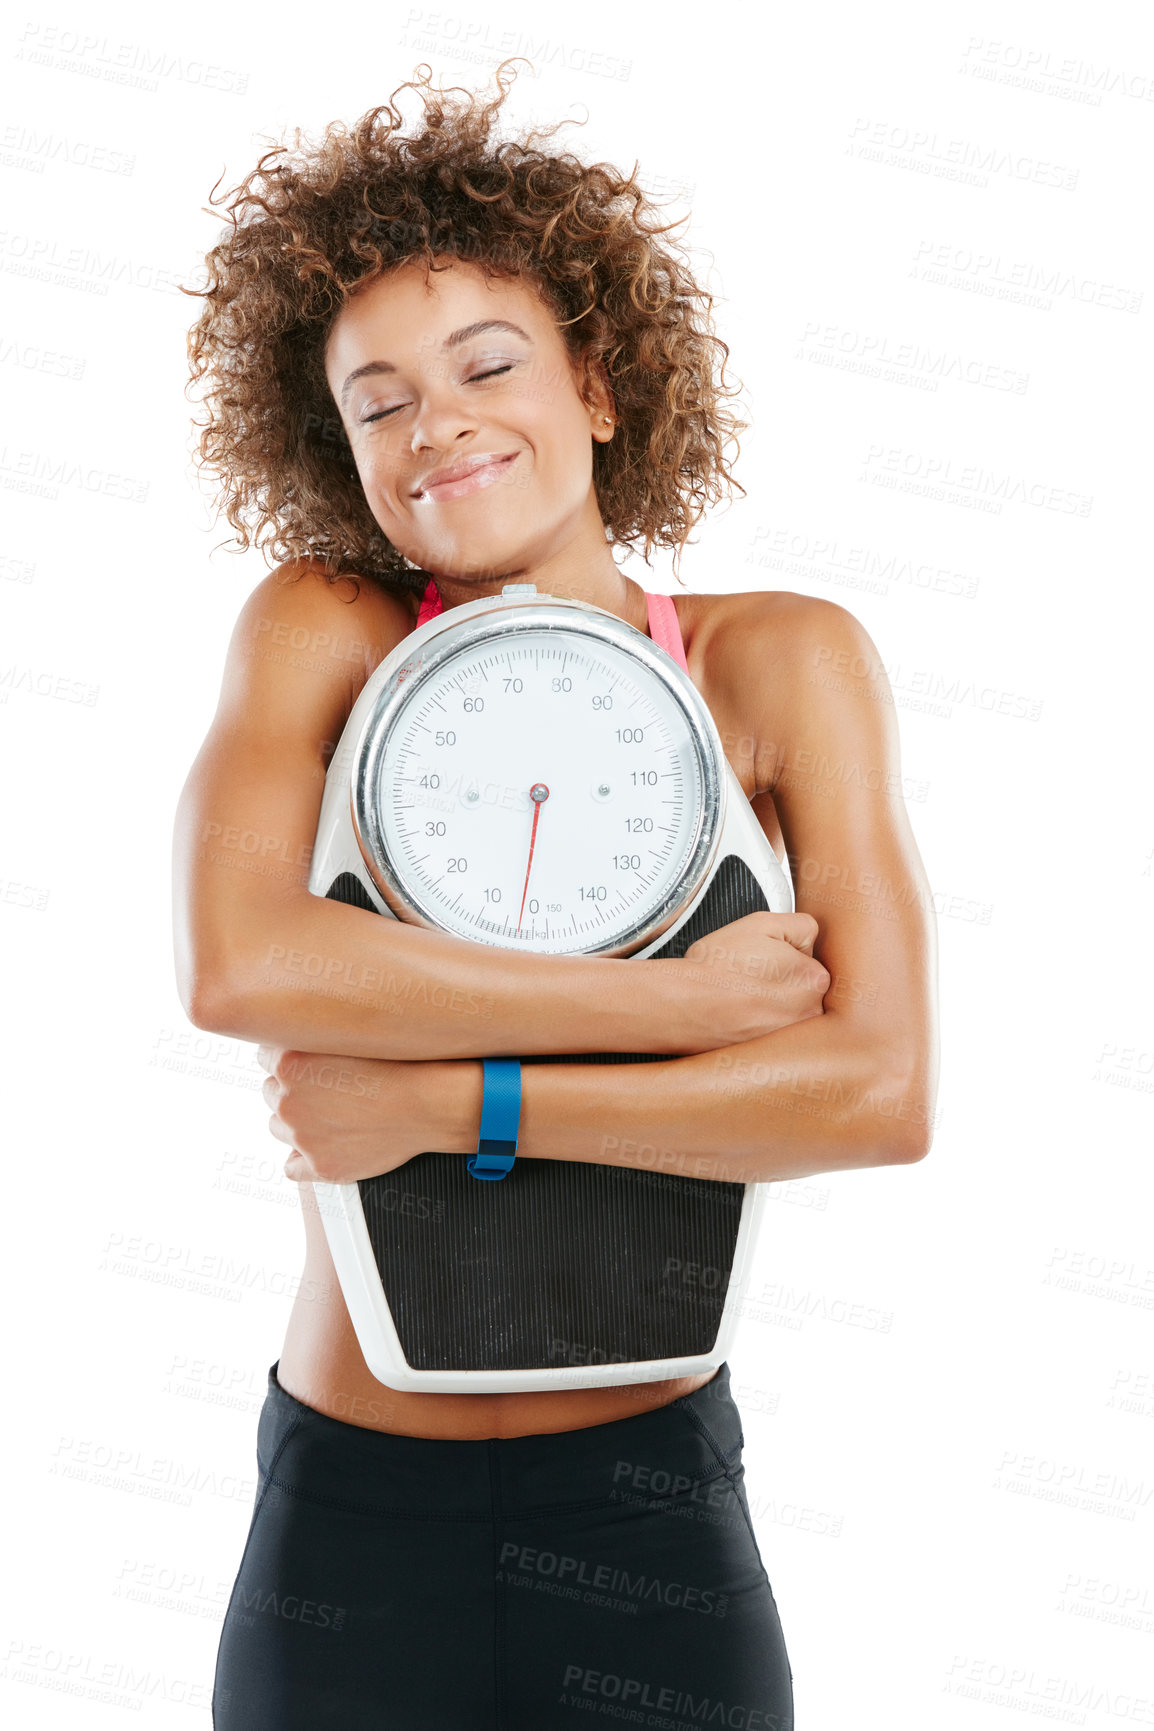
(539, 790)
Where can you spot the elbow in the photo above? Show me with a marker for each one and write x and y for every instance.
(217, 983)
(913, 1147)
(207, 1002)
(207, 1013)
(886, 1088)
(907, 1103)
(211, 1014)
(203, 966)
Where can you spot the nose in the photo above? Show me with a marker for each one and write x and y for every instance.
(444, 417)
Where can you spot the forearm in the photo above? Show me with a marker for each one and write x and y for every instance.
(320, 976)
(805, 1099)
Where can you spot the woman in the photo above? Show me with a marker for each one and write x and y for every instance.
(439, 363)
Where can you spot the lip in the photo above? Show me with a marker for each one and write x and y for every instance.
(469, 476)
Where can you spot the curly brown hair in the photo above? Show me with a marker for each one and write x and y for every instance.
(308, 230)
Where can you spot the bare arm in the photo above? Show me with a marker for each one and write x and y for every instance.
(258, 957)
(857, 1085)
(806, 1099)
(852, 1087)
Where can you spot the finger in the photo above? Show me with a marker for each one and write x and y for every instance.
(277, 1129)
(266, 1057)
(802, 932)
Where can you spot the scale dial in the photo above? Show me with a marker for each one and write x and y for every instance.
(547, 780)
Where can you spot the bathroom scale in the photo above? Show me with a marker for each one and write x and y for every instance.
(525, 716)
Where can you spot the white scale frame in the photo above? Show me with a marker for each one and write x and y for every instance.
(734, 831)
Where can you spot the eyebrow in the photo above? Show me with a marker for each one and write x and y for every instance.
(451, 342)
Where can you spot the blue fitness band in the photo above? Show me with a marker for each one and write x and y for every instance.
(500, 1118)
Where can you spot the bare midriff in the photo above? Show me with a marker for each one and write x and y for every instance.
(321, 1363)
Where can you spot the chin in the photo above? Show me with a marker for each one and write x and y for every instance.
(479, 561)
(484, 544)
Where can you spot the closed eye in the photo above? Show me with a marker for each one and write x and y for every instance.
(493, 374)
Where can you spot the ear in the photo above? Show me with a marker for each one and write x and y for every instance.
(597, 396)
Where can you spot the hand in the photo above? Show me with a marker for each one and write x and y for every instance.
(759, 973)
(349, 1118)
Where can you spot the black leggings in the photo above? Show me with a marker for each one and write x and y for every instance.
(509, 1584)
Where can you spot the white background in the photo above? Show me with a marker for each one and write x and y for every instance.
(903, 211)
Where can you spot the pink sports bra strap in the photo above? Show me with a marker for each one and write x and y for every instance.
(431, 605)
(664, 629)
(663, 626)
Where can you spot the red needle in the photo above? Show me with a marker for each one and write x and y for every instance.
(538, 793)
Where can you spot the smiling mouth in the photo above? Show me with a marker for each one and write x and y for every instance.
(468, 480)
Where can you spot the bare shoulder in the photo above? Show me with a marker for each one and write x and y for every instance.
(337, 631)
(774, 624)
(300, 590)
(767, 660)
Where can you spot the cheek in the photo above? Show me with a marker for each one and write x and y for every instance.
(383, 477)
(381, 456)
(563, 452)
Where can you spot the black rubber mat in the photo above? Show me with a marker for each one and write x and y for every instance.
(561, 1262)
